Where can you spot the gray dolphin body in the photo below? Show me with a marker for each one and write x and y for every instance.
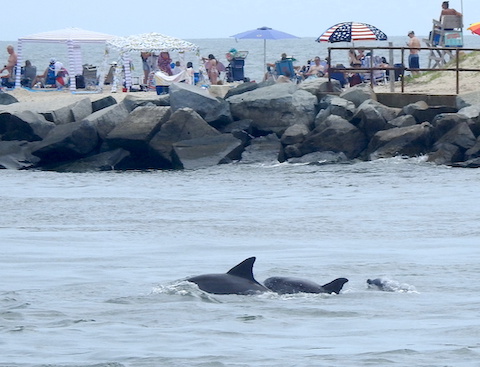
(290, 285)
(238, 280)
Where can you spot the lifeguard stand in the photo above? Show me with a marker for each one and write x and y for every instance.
(448, 32)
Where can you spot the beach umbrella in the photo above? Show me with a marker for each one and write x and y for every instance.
(351, 32)
(475, 28)
(264, 33)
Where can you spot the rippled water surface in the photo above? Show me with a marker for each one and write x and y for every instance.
(92, 266)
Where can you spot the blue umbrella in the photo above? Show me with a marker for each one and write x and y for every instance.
(264, 33)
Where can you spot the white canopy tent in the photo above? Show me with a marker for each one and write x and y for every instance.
(72, 37)
(147, 42)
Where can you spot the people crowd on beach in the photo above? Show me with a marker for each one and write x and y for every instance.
(152, 62)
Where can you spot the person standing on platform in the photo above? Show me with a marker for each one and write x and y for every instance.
(414, 58)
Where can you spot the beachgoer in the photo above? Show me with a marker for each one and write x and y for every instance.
(164, 63)
(8, 78)
(54, 75)
(448, 11)
(212, 70)
(317, 69)
(29, 73)
(353, 58)
(178, 68)
(414, 58)
(145, 66)
(190, 73)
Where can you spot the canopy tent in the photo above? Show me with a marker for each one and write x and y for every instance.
(72, 37)
(147, 42)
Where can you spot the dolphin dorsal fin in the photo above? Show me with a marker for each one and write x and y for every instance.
(244, 269)
(335, 286)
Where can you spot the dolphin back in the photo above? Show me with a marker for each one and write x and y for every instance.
(335, 286)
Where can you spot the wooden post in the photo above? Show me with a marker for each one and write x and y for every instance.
(403, 74)
(457, 72)
(391, 73)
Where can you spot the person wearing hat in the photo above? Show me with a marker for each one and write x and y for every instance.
(54, 75)
(414, 58)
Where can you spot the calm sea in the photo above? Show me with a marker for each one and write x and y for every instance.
(301, 49)
(92, 266)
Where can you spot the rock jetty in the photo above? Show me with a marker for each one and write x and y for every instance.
(190, 129)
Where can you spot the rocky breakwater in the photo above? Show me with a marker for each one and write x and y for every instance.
(189, 129)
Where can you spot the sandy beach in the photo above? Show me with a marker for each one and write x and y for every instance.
(429, 83)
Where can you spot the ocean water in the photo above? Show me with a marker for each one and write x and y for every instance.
(93, 266)
(302, 49)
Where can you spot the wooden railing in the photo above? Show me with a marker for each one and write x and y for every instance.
(453, 52)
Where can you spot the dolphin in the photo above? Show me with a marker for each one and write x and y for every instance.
(289, 285)
(238, 280)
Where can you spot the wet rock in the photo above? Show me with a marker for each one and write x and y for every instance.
(264, 149)
(207, 151)
(16, 155)
(295, 134)
(337, 135)
(319, 158)
(411, 141)
(117, 159)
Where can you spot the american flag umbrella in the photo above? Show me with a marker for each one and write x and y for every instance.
(351, 32)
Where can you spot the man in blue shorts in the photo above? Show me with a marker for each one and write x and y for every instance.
(413, 58)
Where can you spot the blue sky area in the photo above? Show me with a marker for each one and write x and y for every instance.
(193, 19)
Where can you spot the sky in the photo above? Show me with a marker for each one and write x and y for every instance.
(197, 19)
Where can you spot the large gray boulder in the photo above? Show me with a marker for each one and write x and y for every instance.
(117, 159)
(408, 141)
(445, 122)
(184, 124)
(333, 105)
(264, 149)
(274, 108)
(6, 98)
(57, 110)
(16, 155)
(446, 153)
(422, 112)
(213, 110)
(320, 87)
(82, 109)
(468, 99)
(460, 135)
(241, 88)
(207, 151)
(103, 102)
(337, 135)
(295, 134)
(67, 142)
(135, 133)
(24, 125)
(359, 94)
(370, 120)
(132, 100)
(106, 119)
(473, 113)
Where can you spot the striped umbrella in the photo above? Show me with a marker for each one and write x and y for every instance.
(351, 32)
(475, 28)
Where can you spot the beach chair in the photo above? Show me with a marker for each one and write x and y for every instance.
(379, 76)
(285, 67)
